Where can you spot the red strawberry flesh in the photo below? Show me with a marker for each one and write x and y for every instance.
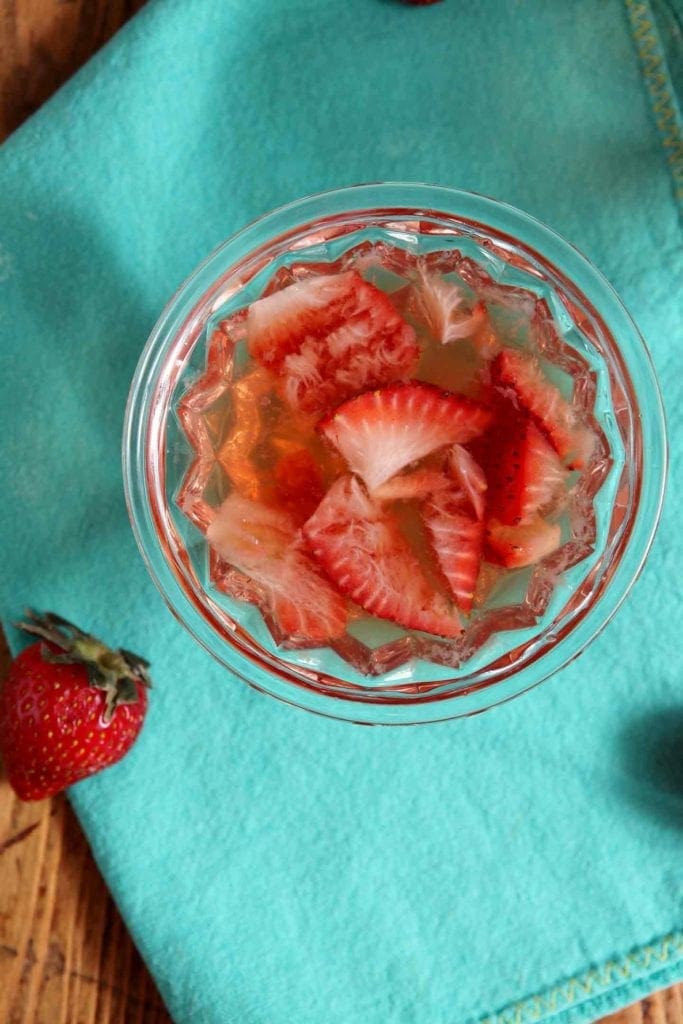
(457, 538)
(328, 338)
(469, 474)
(381, 432)
(544, 402)
(263, 543)
(417, 485)
(280, 323)
(518, 546)
(361, 548)
(524, 472)
(542, 477)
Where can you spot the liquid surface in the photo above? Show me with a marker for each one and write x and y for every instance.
(302, 427)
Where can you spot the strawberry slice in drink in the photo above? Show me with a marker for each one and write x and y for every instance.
(262, 543)
(524, 471)
(457, 539)
(554, 415)
(329, 337)
(526, 544)
(359, 544)
(280, 323)
(441, 304)
(541, 479)
(417, 485)
(471, 477)
(380, 432)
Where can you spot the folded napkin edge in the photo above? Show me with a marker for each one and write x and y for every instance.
(599, 990)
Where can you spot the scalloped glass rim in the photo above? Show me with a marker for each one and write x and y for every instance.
(167, 350)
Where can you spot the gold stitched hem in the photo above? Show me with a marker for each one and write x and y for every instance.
(660, 89)
(598, 981)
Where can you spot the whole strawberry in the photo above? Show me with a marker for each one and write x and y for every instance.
(69, 707)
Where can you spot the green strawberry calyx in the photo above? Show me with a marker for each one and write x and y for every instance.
(115, 672)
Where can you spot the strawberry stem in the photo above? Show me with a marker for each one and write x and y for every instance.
(116, 672)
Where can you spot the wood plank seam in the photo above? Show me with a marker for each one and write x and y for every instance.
(80, 976)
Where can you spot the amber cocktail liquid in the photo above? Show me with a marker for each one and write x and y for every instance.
(392, 454)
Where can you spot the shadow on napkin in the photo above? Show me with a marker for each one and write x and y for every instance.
(651, 755)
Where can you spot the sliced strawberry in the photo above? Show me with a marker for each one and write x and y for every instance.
(262, 543)
(497, 454)
(469, 474)
(542, 478)
(380, 432)
(281, 322)
(359, 545)
(555, 416)
(524, 472)
(298, 484)
(303, 603)
(330, 337)
(516, 546)
(249, 534)
(441, 304)
(373, 348)
(457, 539)
(419, 484)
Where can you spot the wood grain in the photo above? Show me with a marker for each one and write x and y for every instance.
(65, 956)
(42, 42)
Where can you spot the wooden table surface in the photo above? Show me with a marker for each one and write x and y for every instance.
(65, 955)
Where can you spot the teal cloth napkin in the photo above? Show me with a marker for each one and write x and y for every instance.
(272, 866)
